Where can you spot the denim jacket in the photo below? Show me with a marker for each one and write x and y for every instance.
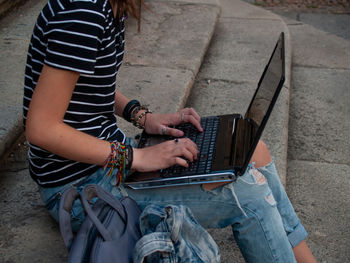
(172, 235)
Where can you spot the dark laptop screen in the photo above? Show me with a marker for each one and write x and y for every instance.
(268, 85)
(259, 110)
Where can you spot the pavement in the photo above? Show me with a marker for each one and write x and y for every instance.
(318, 172)
(206, 54)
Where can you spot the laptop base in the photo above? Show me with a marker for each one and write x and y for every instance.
(140, 180)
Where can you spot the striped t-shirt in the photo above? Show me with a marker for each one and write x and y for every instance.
(82, 36)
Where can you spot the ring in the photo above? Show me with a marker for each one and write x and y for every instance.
(182, 117)
(163, 130)
(176, 140)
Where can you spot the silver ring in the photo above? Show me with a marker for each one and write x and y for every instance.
(182, 117)
(163, 130)
(176, 140)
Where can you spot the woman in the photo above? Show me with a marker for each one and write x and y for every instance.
(70, 103)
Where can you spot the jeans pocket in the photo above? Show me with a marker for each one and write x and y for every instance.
(52, 201)
(52, 205)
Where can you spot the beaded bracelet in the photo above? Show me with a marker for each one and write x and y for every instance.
(136, 121)
(121, 157)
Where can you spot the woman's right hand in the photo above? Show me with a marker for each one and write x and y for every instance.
(164, 155)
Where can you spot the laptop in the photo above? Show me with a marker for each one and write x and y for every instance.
(228, 141)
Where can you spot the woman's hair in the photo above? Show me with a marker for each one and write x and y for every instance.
(129, 7)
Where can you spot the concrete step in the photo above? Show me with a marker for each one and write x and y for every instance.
(6, 6)
(319, 139)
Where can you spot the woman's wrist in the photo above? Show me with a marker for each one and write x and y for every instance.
(119, 158)
(137, 159)
(139, 116)
(147, 120)
(136, 113)
(129, 108)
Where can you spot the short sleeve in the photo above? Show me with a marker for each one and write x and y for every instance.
(73, 38)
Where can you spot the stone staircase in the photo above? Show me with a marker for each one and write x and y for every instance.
(200, 53)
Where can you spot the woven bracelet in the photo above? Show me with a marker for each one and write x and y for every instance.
(120, 158)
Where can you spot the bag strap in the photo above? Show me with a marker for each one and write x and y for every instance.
(151, 243)
(90, 191)
(64, 214)
(93, 190)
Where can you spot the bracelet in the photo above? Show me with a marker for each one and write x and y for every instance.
(136, 122)
(129, 157)
(121, 157)
(129, 109)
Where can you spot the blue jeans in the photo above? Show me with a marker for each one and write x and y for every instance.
(263, 220)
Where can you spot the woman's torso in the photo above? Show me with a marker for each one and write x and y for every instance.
(81, 36)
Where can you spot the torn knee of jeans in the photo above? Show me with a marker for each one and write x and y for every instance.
(259, 178)
(214, 191)
(263, 168)
(270, 199)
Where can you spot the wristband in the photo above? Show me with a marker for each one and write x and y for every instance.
(129, 157)
(129, 109)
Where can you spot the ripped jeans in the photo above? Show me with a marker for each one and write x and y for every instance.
(263, 220)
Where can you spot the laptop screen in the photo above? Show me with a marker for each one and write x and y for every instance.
(269, 86)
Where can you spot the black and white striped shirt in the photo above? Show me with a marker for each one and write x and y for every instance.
(82, 36)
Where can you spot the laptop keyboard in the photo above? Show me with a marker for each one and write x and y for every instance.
(206, 147)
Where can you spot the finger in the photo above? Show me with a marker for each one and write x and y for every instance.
(186, 148)
(191, 148)
(185, 153)
(194, 121)
(181, 161)
(191, 111)
(174, 132)
(194, 150)
(164, 130)
(188, 155)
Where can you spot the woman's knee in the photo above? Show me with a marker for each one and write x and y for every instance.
(261, 155)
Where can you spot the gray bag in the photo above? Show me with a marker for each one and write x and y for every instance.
(110, 229)
(172, 235)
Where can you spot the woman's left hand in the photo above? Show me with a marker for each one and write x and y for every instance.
(162, 123)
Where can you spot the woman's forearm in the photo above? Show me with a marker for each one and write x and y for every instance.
(120, 103)
(44, 124)
(67, 142)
